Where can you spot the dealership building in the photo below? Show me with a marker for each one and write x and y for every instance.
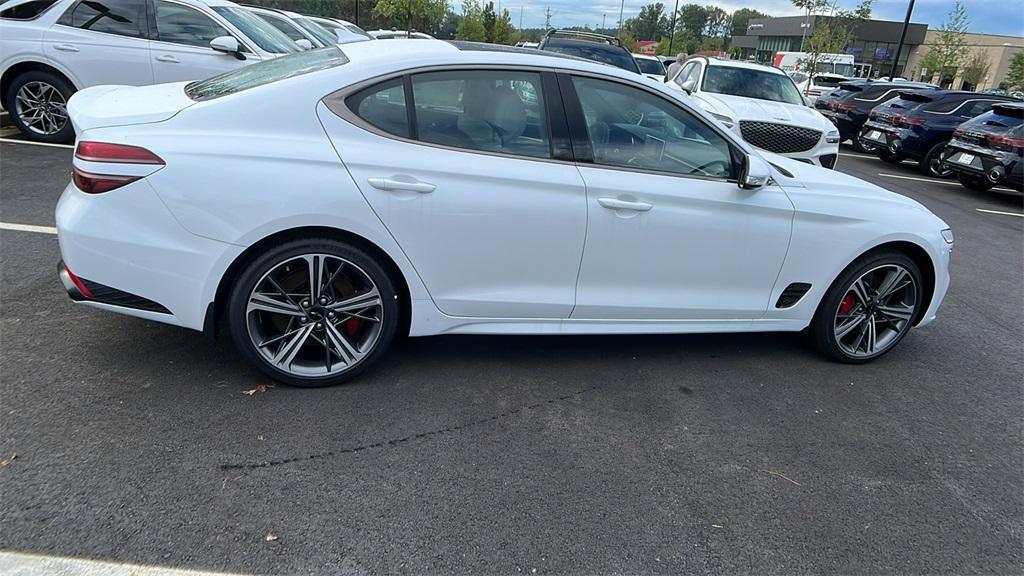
(873, 48)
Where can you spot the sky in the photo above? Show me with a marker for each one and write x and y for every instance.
(987, 16)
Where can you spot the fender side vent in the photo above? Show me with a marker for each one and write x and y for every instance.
(792, 294)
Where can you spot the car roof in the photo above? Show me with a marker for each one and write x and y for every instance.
(738, 64)
(412, 53)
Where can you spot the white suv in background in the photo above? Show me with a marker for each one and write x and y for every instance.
(50, 49)
(762, 105)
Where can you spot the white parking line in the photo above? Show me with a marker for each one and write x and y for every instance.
(852, 155)
(27, 228)
(998, 212)
(13, 141)
(22, 564)
(933, 181)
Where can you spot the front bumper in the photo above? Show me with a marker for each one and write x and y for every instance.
(129, 255)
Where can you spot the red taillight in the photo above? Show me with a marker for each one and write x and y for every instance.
(901, 120)
(1005, 141)
(115, 153)
(958, 132)
(99, 183)
(107, 153)
(843, 106)
(79, 284)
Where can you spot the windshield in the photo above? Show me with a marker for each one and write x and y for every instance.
(650, 66)
(751, 83)
(326, 37)
(258, 30)
(266, 72)
(599, 53)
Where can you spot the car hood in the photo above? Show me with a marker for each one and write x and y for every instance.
(832, 183)
(741, 108)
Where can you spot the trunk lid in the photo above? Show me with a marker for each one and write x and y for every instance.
(105, 106)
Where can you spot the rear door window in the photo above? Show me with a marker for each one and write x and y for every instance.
(492, 110)
(121, 17)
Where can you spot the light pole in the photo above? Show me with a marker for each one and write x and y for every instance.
(622, 6)
(672, 29)
(903, 36)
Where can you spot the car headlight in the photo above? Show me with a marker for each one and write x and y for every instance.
(832, 137)
(947, 235)
(726, 120)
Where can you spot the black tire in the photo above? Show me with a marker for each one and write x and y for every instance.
(976, 183)
(889, 157)
(261, 265)
(66, 133)
(863, 148)
(930, 165)
(822, 329)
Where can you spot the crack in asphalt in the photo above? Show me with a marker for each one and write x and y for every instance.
(404, 439)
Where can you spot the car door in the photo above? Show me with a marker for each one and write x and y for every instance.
(102, 42)
(670, 234)
(460, 167)
(181, 46)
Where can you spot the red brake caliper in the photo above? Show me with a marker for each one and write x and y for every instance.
(847, 304)
(352, 326)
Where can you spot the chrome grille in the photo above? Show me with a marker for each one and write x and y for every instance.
(779, 138)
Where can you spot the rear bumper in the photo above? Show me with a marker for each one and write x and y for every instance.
(997, 167)
(123, 251)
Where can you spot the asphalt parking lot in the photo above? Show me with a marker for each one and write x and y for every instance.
(135, 443)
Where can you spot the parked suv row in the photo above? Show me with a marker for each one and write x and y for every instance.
(919, 123)
(989, 149)
(850, 103)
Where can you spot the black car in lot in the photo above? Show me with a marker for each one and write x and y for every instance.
(919, 123)
(850, 103)
(989, 149)
(590, 46)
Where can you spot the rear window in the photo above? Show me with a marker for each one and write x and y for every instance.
(651, 66)
(266, 72)
(946, 105)
(28, 10)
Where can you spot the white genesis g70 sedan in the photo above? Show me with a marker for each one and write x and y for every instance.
(321, 203)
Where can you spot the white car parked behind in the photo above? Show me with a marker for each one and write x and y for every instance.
(650, 66)
(50, 49)
(762, 105)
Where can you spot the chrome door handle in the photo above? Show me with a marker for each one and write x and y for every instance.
(390, 184)
(616, 204)
(168, 58)
(66, 47)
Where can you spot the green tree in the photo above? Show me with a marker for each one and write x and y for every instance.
(503, 32)
(489, 18)
(741, 18)
(832, 33)
(419, 14)
(719, 24)
(651, 24)
(976, 69)
(1014, 79)
(950, 48)
(691, 22)
(471, 26)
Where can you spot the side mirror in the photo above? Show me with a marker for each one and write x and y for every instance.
(807, 102)
(756, 173)
(688, 86)
(228, 45)
(304, 44)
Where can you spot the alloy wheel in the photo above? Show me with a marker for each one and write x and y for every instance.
(937, 168)
(41, 107)
(876, 311)
(314, 315)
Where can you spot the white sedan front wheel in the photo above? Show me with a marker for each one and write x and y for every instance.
(869, 308)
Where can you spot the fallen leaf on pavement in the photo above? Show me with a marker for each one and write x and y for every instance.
(270, 537)
(261, 389)
(7, 461)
